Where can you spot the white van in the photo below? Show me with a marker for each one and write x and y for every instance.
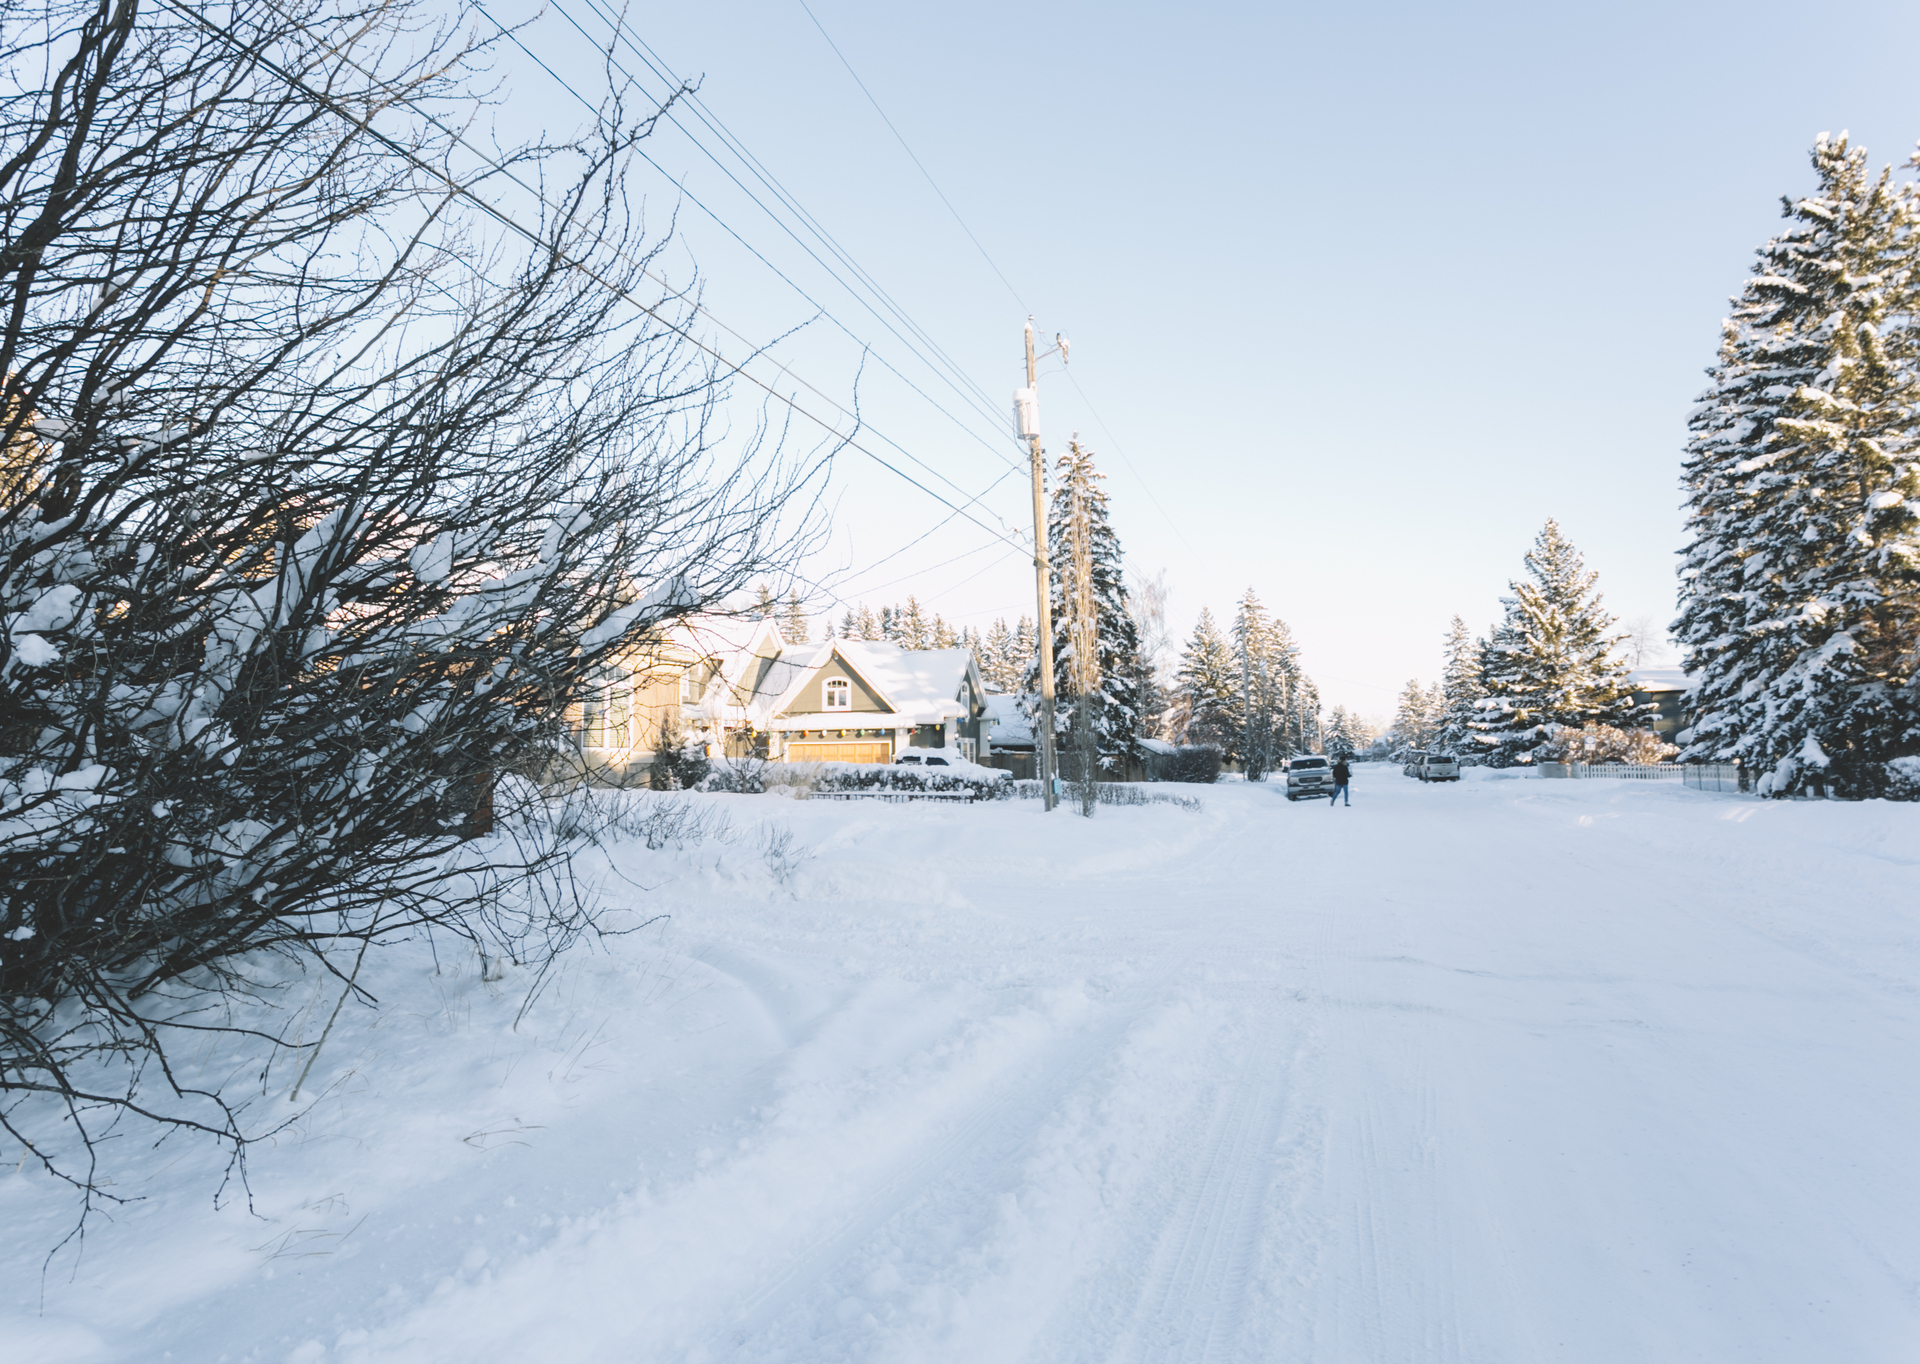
(1438, 767)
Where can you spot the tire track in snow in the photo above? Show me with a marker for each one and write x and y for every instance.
(989, 1138)
(1195, 1293)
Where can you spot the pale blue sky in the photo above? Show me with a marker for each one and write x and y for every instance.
(1363, 294)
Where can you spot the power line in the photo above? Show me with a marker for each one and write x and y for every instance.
(461, 190)
(766, 177)
(916, 160)
(980, 403)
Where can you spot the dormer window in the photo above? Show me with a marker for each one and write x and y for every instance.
(839, 694)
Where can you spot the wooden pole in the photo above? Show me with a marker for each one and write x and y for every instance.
(1043, 585)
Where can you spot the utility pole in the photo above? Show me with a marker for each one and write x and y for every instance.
(1027, 407)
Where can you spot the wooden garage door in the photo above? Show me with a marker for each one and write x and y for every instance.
(841, 751)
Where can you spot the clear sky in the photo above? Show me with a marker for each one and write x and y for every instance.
(1358, 295)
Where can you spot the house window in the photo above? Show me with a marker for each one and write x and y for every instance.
(839, 694)
(692, 686)
(607, 713)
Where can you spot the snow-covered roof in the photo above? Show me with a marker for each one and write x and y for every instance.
(1660, 679)
(731, 642)
(1011, 728)
(920, 686)
(1160, 746)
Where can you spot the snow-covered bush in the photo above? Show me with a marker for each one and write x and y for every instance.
(318, 505)
(1903, 779)
(1605, 744)
(982, 783)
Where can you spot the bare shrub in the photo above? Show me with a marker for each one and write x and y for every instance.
(324, 491)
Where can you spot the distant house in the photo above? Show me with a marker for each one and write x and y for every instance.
(1012, 734)
(735, 687)
(705, 672)
(1666, 688)
(866, 701)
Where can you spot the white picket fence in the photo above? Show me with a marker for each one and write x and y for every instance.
(1628, 771)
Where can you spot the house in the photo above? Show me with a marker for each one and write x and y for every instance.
(1011, 731)
(702, 672)
(867, 701)
(1666, 688)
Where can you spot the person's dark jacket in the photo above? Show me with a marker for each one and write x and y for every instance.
(1341, 773)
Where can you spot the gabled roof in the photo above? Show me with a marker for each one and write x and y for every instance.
(920, 686)
(733, 643)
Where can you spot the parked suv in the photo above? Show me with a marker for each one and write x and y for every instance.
(1439, 767)
(1411, 761)
(1309, 777)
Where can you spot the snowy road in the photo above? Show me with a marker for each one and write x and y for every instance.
(1506, 1071)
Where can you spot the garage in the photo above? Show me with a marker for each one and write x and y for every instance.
(840, 751)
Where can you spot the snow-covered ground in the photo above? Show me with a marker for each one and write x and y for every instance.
(1511, 1070)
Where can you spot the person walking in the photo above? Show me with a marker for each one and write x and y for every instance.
(1342, 774)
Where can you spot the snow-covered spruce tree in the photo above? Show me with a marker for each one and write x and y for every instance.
(999, 663)
(1413, 719)
(334, 496)
(1115, 699)
(1342, 738)
(1274, 709)
(795, 628)
(1460, 689)
(1798, 585)
(1551, 662)
(1204, 687)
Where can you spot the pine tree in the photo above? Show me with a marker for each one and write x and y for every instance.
(1205, 686)
(1114, 666)
(1551, 661)
(1413, 719)
(942, 634)
(1460, 690)
(1026, 653)
(999, 667)
(768, 606)
(1798, 585)
(795, 629)
(868, 626)
(1277, 708)
(1343, 734)
(911, 626)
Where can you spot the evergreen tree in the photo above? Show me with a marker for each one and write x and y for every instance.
(1026, 653)
(1551, 662)
(1344, 736)
(889, 625)
(911, 626)
(768, 606)
(850, 625)
(1114, 699)
(1798, 584)
(795, 629)
(942, 634)
(1276, 708)
(1205, 686)
(999, 663)
(868, 626)
(1414, 720)
(1460, 691)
